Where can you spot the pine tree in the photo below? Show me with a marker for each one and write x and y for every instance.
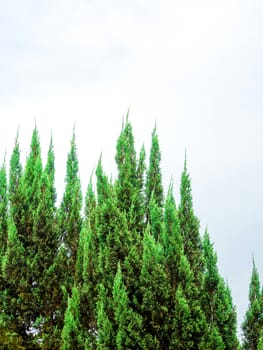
(253, 322)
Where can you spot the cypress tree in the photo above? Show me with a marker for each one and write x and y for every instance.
(16, 294)
(189, 226)
(112, 228)
(11, 330)
(3, 210)
(155, 292)
(3, 226)
(171, 240)
(189, 324)
(71, 334)
(129, 324)
(253, 322)
(113, 239)
(228, 329)
(217, 303)
(24, 201)
(87, 279)
(260, 342)
(46, 243)
(69, 213)
(106, 334)
(154, 187)
(129, 185)
(14, 185)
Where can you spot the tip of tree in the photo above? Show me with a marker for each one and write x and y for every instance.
(185, 160)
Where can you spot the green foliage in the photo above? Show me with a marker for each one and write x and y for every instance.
(155, 292)
(217, 303)
(189, 227)
(3, 209)
(154, 187)
(129, 185)
(106, 334)
(129, 324)
(172, 240)
(16, 294)
(253, 322)
(71, 333)
(260, 342)
(132, 273)
(70, 220)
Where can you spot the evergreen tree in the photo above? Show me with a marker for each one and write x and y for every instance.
(16, 294)
(46, 243)
(260, 342)
(3, 226)
(87, 279)
(253, 322)
(14, 186)
(50, 172)
(114, 236)
(70, 213)
(129, 185)
(217, 303)
(155, 292)
(24, 201)
(129, 324)
(193, 251)
(171, 240)
(3, 210)
(106, 334)
(189, 226)
(154, 188)
(189, 323)
(71, 333)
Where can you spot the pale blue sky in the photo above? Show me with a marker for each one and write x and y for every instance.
(193, 67)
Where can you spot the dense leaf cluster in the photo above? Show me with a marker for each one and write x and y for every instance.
(130, 271)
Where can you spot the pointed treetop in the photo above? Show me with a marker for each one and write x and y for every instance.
(254, 287)
(170, 187)
(127, 115)
(72, 161)
(154, 176)
(185, 161)
(186, 190)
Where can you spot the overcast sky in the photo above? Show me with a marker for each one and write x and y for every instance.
(193, 67)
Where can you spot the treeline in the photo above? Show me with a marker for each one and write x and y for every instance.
(123, 268)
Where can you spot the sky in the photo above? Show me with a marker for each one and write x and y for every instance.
(192, 67)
